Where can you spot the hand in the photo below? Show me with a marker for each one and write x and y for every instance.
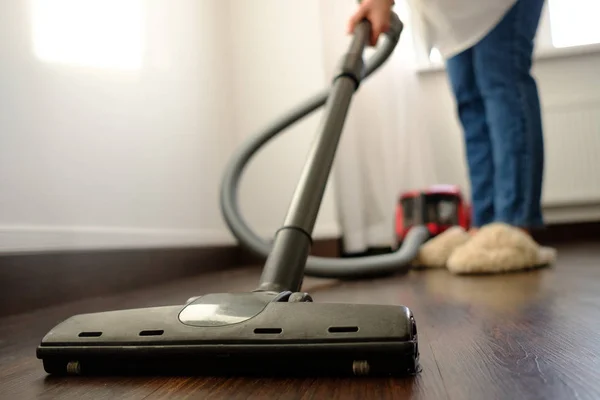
(377, 12)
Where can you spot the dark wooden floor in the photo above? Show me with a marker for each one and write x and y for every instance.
(532, 335)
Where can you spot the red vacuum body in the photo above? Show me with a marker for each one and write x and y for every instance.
(439, 207)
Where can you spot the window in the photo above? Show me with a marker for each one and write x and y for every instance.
(94, 33)
(564, 24)
(574, 22)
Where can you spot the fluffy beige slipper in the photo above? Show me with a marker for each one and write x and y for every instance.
(435, 252)
(497, 248)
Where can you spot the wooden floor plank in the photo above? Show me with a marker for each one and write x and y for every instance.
(531, 335)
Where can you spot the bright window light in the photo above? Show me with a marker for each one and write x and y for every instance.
(94, 33)
(435, 56)
(574, 22)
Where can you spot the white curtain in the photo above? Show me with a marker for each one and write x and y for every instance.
(383, 151)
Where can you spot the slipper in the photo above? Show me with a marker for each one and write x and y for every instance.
(435, 252)
(546, 255)
(499, 247)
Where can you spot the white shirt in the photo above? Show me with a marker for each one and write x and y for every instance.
(453, 26)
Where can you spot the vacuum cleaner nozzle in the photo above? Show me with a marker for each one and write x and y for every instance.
(256, 333)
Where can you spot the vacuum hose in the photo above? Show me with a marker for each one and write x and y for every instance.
(398, 261)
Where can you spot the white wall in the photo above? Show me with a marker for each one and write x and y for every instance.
(105, 158)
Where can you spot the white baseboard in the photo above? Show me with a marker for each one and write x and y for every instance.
(572, 214)
(35, 238)
(44, 238)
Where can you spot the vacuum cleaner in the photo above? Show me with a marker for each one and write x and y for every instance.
(439, 207)
(275, 329)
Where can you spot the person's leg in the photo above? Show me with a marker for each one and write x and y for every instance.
(502, 68)
(472, 116)
(502, 63)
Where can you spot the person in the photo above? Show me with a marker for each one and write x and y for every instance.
(488, 48)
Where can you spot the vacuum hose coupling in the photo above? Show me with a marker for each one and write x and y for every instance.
(352, 64)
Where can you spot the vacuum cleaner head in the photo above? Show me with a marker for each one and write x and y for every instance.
(256, 333)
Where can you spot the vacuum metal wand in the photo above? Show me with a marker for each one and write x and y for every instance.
(285, 264)
(302, 213)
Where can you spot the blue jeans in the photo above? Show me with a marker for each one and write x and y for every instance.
(499, 110)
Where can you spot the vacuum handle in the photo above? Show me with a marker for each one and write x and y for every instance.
(362, 35)
(394, 31)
